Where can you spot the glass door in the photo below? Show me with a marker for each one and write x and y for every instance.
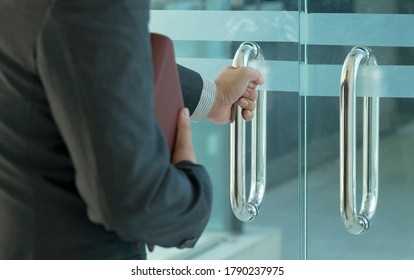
(305, 43)
(329, 30)
(206, 35)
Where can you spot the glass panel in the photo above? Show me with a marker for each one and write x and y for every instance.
(207, 45)
(329, 29)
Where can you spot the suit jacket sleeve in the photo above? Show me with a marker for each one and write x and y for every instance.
(191, 86)
(94, 60)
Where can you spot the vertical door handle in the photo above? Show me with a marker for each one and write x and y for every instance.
(242, 209)
(358, 223)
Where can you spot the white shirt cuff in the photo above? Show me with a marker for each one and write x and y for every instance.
(207, 99)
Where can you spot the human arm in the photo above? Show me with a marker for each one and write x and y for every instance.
(214, 99)
(94, 60)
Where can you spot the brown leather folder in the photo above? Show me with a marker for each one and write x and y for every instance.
(168, 99)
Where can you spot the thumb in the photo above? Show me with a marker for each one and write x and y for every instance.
(183, 149)
(254, 75)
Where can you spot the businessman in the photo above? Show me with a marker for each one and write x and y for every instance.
(85, 172)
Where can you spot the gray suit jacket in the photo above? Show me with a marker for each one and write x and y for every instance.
(84, 167)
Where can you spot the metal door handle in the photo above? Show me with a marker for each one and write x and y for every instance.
(358, 223)
(242, 209)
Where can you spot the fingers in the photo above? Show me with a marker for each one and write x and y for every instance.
(250, 94)
(247, 115)
(236, 86)
(248, 102)
(248, 107)
(252, 85)
(253, 75)
(183, 149)
(249, 74)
